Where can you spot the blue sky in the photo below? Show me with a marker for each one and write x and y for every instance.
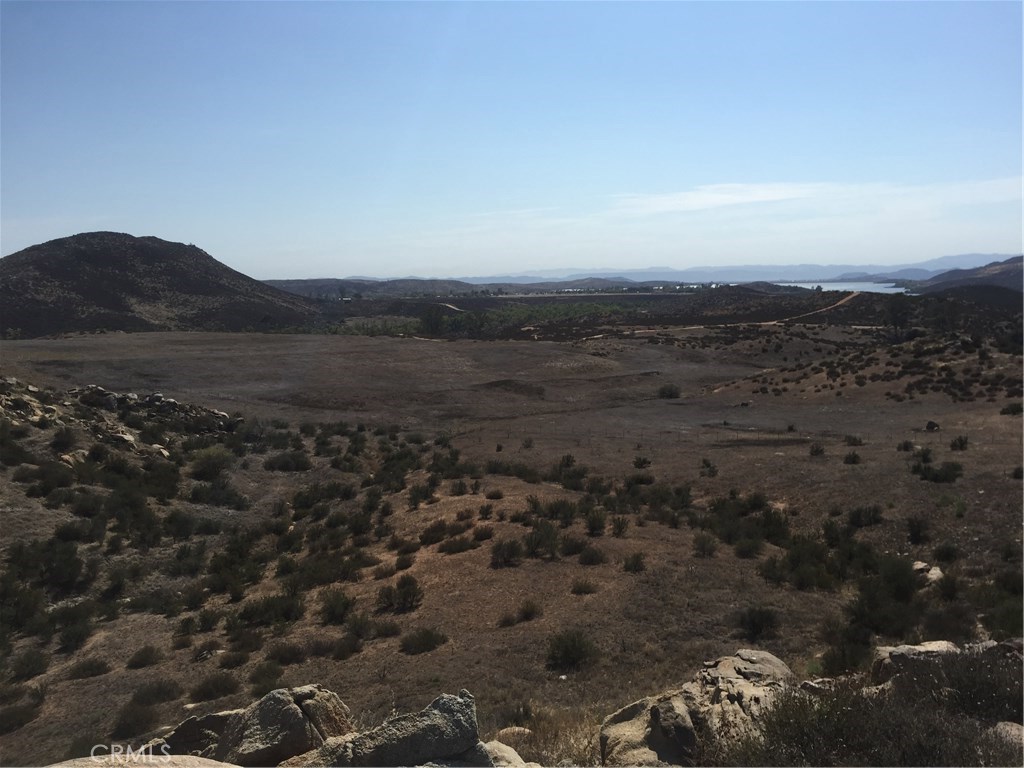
(325, 139)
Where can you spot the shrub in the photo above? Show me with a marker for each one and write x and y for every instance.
(591, 555)
(851, 458)
(285, 653)
(704, 545)
(748, 548)
(1012, 409)
(214, 686)
(264, 678)
(156, 692)
(528, 611)
(596, 519)
(917, 529)
(232, 659)
(88, 668)
(335, 605)
(817, 449)
(63, 439)
(946, 552)
(209, 463)
(906, 446)
(862, 517)
(583, 587)
(458, 544)
(288, 461)
(947, 472)
(506, 553)
(853, 441)
(958, 443)
(146, 656)
(634, 563)
(421, 640)
(669, 391)
(30, 663)
(620, 524)
(708, 468)
(272, 609)
(493, 495)
(134, 720)
(756, 623)
(571, 649)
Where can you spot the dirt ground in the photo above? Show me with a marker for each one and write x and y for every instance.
(535, 402)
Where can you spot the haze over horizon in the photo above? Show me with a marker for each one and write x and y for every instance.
(326, 139)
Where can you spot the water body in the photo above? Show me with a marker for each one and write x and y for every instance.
(851, 286)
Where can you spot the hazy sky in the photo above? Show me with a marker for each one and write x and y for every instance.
(325, 139)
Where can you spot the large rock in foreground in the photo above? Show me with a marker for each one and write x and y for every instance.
(284, 723)
(725, 699)
(444, 732)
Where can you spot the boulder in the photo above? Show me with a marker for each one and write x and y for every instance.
(284, 723)
(890, 660)
(726, 698)
(194, 735)
(444, 730)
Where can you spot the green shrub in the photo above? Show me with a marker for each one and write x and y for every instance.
(591, 555)
(209, 463)
(232, 659)
(947, 472)
(214, 686)
(848, 727)
(288, 461)
(851, 458)
(704, 545)
(634, 563)
(63, 439)
(88, 668)
(583, 587)
(335, 605)
(596, 519)
(272, 609)
(264, 678)
(571, 649)
(457, 545)
(917, 529)
(528, 611)
(862, 517)
(506, 553)
(757, 623)
(421, 640)
(30, 663)
(285, 653)
(669, 391)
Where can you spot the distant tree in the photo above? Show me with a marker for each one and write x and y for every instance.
(898, 312)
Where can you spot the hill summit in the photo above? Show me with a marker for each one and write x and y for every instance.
(117, 282)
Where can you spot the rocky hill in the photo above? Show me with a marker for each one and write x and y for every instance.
(116, 282)
(1003, 274)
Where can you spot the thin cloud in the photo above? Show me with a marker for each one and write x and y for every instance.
(819, 198)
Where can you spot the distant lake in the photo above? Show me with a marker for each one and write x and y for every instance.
(865, 287)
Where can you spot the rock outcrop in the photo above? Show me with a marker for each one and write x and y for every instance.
(311, 726)
(724, 699)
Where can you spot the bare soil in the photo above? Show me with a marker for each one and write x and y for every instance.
(534, 402)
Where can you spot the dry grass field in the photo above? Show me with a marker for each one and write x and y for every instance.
(768, 409)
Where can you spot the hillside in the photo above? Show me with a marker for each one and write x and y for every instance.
(116, 282)
(1004, 274)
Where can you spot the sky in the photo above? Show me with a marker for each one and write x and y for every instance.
(386, 139)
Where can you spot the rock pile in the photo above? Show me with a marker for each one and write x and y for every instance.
(723, 700)
(311, 726)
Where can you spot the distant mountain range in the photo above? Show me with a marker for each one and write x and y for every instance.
(114, 281)
(117, 282)
(790, 273)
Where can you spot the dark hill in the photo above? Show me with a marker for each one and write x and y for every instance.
(1004, 274)
(117, 282)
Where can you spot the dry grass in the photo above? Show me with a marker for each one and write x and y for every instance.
(652, 628)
